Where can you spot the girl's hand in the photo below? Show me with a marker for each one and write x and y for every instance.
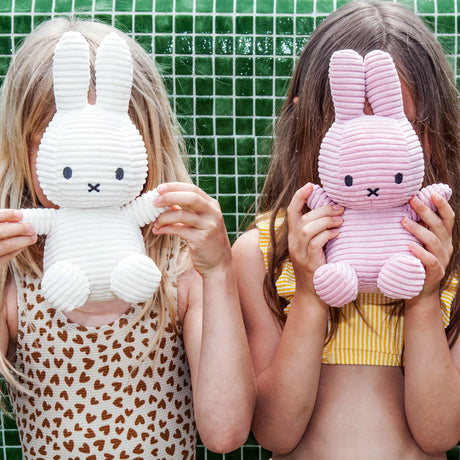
(436, 236)
(14, 235)
(308, 234)
(196, 218)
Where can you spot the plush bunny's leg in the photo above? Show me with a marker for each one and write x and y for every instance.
(135, 278)
(401, 277)
(336, 284)
(65, 286)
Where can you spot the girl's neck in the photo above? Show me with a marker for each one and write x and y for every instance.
(95, 314)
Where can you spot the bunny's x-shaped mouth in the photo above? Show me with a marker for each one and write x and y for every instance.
(372, 191)
(92, 187)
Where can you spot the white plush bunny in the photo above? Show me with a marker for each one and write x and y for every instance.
(92, 163)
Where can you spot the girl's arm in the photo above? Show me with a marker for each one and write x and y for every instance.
(215, 339)
(432, 371)
(287, 361)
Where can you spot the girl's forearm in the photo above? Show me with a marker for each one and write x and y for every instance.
(432, 380)
(225, 388)
(287, 389)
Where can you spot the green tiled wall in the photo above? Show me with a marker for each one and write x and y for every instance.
(226, 64)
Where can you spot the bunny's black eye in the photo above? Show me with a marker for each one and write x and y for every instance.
(119, 174)
(398, 178)
(67, 172)
(348, 181)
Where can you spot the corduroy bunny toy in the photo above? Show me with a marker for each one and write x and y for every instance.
(372, 165)
(92, 163)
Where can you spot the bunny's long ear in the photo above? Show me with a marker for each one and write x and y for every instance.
(71, 72)
(346, 76)
(114, 74)
(383, 87)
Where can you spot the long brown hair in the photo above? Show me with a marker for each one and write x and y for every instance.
(303, 122)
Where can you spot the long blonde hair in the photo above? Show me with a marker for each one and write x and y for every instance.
(421, 63)
(27, 106)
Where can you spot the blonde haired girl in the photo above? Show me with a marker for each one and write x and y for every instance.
(111, 378)
(376, 378)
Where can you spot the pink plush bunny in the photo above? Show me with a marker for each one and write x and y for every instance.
(372, 165)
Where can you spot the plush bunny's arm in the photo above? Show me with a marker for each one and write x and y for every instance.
(318, 198)
(42, 219)
(142, 210)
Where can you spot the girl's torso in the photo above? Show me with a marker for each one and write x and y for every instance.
(91, 395)
(359, 415)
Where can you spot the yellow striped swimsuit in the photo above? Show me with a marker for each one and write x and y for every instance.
(369, 335)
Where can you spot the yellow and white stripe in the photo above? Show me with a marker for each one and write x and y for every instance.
(369, 334)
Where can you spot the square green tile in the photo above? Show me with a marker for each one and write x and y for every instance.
(224, 126)
(23, 6)
(264, 46)
(204, 6)
(224, 86)
(163, 63)
(206, 146)
(163, 44)
(304, 6)
(224, 6)
(226, 165)
(203, 66)
(448, 44)
(284, 25)
(5, 24)
(264, 25)
(204, 126)
(224, 106)
(144, 5)
(184, 86)
(244, 126)
(245, 146)
(243, 107)
(163, 23)
(204, 86)
(184, 106)
(22, 24)
(6, 6)
(183, 44)
(264, 6)
(124, 22)
(203, 24)
(244, 25)
(203, 45)
(283, 66)
(183, 65)
(285, 6)
(304, 25)
(207, 165)
(264, 107)
(226, 185)
(264, 67)
(143, 23)
(224, 24)
(446, 6)
(204, 106)
(244, 6)
(223, 65)
(425, 6)
(246, 165)
(284, 46)
(185, 6)
(146, 42)
(123, 5)
(244, 66)
(228, 203)
(264, 87)
(209, 185)
(446, 24)
(244, 45)
(324, 6)
(224, 45)
(43, 6)
(164, 6)
(84, 5)
(103, 5)
(184, 24)
(244, 87)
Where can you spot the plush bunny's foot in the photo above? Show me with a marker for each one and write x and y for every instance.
(336, 284)
(135, 278)
(401, 277)
(65, 286)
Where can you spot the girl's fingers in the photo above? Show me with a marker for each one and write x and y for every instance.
(446, 213)
(10, 215)
(10, 247)
(9, 230)
(179, 216)
(294, 210)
